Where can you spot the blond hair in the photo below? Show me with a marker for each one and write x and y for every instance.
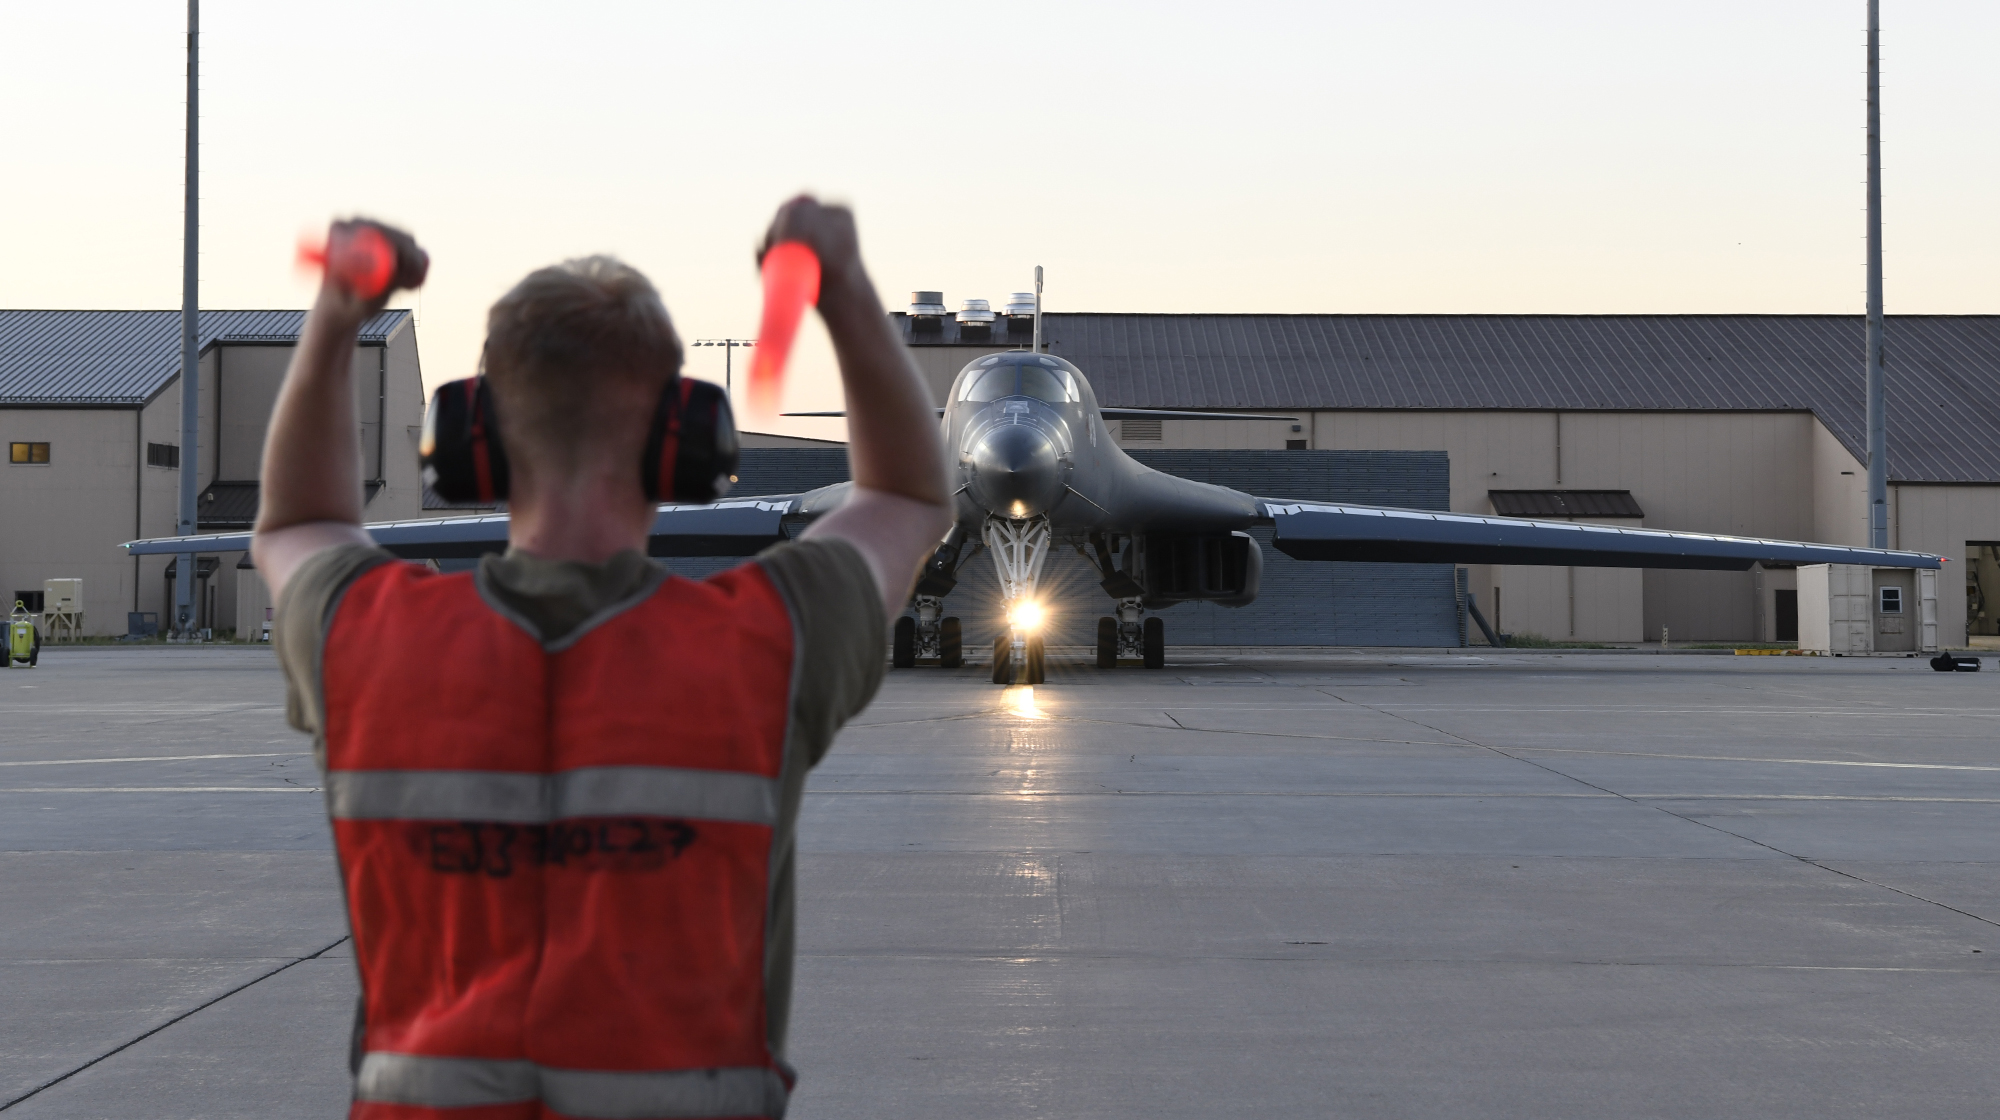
(571, 351)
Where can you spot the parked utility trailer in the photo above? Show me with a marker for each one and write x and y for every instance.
(1846, 610)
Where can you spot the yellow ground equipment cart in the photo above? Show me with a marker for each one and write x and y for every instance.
(24, 642)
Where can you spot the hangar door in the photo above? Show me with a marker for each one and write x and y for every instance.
(1301, 603)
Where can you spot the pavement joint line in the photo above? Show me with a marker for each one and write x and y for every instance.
(9, 962)
(149, 758)
(1520, 711)
(1788, 712)
(33, 710)
(933, 719)
(1608, 796)
(163, 791)
(120, 1048)
(1775, 761)
(1704, 824)
(1045, 956)
(1179, 726)
(1180, 793)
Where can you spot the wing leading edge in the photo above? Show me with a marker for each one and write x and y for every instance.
(1325, 531)
(739, 527)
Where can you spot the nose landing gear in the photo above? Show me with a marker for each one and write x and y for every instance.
(1019, 548)
(1018, 659)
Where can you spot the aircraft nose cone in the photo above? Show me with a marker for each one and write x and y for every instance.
(1015, 472)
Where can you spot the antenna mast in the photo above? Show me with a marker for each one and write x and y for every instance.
(1038, 309)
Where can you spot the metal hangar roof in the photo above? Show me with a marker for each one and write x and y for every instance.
(1943, 374)
(124, 358)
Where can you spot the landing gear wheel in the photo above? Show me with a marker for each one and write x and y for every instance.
(1003, 658)
(1037, 661)
(1154, 642)
(1107, 642)
(951, 644)
(903, 650)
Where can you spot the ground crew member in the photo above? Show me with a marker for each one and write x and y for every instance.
(564, 786)
(24, 638)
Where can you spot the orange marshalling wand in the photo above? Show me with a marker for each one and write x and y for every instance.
(791, 284)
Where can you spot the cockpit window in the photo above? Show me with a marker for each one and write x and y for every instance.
(989, 384)
(1044, 380)
(1045, 384)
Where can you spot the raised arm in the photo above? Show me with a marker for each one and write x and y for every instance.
(901, 504)
(310, 493)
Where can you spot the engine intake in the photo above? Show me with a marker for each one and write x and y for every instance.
(1217, 568)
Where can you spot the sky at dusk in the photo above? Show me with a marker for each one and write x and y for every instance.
(1453, 156)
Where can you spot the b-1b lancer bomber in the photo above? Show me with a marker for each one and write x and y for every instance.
(1037, 470)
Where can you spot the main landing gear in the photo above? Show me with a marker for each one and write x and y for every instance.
(1115, 640)
(1128, 635)
(928, 636)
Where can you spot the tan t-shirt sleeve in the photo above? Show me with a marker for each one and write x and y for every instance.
(841, 637)
(298, 628)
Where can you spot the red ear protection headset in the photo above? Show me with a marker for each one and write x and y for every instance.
(690, 451)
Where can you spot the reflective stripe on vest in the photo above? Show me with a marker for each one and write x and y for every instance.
(694, 1094)
(514, 798)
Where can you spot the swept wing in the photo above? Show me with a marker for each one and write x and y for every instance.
(732, 527)
(1327, 531)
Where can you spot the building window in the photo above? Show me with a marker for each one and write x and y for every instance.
(1133, 430)
(163, 455)
(1295, 445)
(27, 452)
(1892, 600)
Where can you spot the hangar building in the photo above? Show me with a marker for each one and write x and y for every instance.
(1740, 424)
(90, 405)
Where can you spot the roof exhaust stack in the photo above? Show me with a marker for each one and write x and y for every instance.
(1021, 315)
(927, 312)
(975, 320)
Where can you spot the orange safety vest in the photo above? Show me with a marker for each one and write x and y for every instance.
(559, 858)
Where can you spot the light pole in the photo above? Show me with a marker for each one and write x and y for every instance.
(729, 348)
(188, 521)
(1878, 425)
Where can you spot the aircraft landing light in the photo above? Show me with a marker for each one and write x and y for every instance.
(1027, 615)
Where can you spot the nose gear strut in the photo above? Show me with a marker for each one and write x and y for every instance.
(1018, 548)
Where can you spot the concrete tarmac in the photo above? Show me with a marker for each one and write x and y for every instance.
(1329, 883)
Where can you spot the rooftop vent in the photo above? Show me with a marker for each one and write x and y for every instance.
(1021, 305)
(975, 311)
(927, 303)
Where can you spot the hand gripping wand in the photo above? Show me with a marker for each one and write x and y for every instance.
(357, 256)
